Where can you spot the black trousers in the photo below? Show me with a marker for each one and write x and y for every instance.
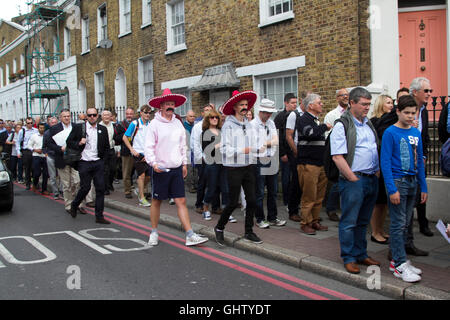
(89, 170)
(27, 160)
(110, 168)
(237, 177)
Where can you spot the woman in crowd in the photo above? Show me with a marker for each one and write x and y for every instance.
(382, 107)
(214, 172)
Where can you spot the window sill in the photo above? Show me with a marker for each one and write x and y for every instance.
(276, 19)
(124, 34)
(176, 49)
(85, 52)
(146, 25)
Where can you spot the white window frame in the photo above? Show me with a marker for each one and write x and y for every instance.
(22, 62)
(124, 17)
(1, 77)
(102, 24)
(259, 86)
(99, 81)
(7, 74)
(85, 37)
(145, 81)
(171, 7)
(15, 65)
(146, 13)
(182, 110)
(264, 13)
(67, 43)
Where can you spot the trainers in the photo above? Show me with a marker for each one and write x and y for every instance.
(171, 201)
(153, 239)
(404, 272)
(195, 239)
(143, 202)
(206, 215)
(219, 237)
(253, 238)
(410, 266)
(232, 219)
(263, 224)
(277, 222)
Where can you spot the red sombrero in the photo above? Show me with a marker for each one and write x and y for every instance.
(167, 95)
(237, 96)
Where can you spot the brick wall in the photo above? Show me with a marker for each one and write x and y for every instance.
(332, 35)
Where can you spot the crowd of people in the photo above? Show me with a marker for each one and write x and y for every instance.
(229, 156)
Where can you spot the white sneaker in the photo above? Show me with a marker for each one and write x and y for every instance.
(263, 224)
(277, 222)
(410, 266)
(153, 239)
(404, 272)
(232, 219)
(195, 239)
(207, 215)
(171, 201)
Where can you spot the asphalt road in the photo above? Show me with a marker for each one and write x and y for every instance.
(46, 254)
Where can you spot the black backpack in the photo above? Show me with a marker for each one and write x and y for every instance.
(331, 170)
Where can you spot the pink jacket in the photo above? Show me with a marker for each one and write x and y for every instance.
(165, 142)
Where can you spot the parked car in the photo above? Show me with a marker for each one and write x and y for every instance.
(6, 185)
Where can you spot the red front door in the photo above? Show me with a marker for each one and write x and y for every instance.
(423, 49)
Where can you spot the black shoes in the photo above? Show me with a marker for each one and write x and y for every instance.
(373, 239)
(102, 220)
(219, 237)
(73, 211)
(332, 215)
(426, 231)
(416, 252)
(253, 238)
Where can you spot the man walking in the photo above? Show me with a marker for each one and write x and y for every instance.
(237, 139)
(354, 149)
(125, 154)
(23, 151)
(39, 162)
(134, 139)
(68, 175)
(165, 152)
(92, 140)
(110, 159)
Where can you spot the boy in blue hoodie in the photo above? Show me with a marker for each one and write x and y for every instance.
(403, 169)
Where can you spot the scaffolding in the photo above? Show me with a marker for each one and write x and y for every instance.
(46, 81)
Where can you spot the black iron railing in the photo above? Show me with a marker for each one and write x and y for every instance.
(434, 150)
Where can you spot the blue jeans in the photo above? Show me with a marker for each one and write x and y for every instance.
(271, 181)
(357, 202)
(215, 176)
(401, 216)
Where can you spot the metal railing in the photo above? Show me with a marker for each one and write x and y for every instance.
(434, 109)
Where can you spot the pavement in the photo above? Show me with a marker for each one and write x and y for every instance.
(319, 253)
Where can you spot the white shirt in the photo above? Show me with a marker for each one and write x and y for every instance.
(28, 134)
(265, 132)
(110, 128)
(35, 142)
(195, 143)
(90, 152)
(290, 124)
(332, 116)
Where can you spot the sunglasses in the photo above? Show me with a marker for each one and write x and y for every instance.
(146, 112)
(29, 122)
(428, 90)
(92, 115)
(215, 117)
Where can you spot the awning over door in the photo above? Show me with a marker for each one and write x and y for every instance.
(222, 76)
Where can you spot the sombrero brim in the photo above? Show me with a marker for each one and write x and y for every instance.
(179, 100)
(250, 96)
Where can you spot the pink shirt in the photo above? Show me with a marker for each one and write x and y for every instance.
(165, 142)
